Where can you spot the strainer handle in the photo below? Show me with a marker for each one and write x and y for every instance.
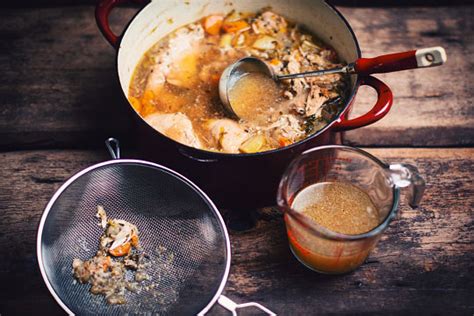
(113, 146)
(230, 305)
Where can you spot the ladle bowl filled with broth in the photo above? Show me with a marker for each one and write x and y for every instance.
(337, 202)
(169, 61)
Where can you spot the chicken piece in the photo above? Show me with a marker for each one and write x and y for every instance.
(228, 134)
(294, 65)
(183, 72)
(179, 45)
(269, 23)
(315, 101)
(176, 126)
(287, 126)
(298, 102)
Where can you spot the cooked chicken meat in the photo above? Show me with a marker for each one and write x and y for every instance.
(172, 52)
(176, 126)
(228, 134)
(104, 272)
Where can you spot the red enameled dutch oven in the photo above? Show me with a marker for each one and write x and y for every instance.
(236, 180)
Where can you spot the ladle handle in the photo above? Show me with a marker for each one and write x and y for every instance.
(421, 58)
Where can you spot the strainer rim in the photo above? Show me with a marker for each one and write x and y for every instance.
(77, 175)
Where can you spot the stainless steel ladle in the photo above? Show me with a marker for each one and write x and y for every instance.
(421, 58)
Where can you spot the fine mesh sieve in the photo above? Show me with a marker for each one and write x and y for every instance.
(179, 228)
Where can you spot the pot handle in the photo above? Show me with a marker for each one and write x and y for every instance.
(379, 110)
(102, 12)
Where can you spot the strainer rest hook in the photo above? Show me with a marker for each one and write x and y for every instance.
(113, 146)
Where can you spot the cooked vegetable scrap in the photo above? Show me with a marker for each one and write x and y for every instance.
(212, 24)
(119, 252)
(175, 86)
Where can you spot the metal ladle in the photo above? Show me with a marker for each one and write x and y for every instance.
(421, 58)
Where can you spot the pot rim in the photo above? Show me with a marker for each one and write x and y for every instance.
(216, 154)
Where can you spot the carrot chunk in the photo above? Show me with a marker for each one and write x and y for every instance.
(134, 240)
(212, 24)
(235, 26)
(121, 250)
(136, 104)
(283, 141)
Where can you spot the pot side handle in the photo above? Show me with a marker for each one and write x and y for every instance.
(102, 12)
(379, 110)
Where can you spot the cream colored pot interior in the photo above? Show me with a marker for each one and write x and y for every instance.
(161, 17)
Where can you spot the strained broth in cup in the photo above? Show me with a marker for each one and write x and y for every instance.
(338, 206)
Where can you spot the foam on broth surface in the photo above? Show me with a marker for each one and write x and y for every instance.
(338, 206)
(254, 96)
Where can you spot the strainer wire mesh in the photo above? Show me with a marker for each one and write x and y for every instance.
(179, 228)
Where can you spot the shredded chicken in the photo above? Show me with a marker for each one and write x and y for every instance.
(269, 23)
(287, 126)
(314, 101)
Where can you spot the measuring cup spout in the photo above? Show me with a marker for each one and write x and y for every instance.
(408, 176)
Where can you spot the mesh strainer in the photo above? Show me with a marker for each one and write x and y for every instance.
(180, 228)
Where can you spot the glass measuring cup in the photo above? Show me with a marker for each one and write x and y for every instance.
(331, 252)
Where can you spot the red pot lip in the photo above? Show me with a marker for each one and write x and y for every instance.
(214, 154)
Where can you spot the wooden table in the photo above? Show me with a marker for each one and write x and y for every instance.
(60, 100)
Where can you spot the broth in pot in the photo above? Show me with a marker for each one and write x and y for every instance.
(175, 85)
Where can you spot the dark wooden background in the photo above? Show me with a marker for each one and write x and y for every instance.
(59, 100)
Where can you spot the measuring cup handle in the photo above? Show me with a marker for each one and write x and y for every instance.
(380, 109)
(408, 176)
(230, 305)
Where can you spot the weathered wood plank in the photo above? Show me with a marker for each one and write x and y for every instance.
(431, 106)
(58, 86)
(423, 264)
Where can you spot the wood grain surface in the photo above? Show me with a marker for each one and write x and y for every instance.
(59, 88)
(423, 264)
(359, 3)
(60, 98)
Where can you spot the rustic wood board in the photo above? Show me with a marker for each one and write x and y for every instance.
(359, 3)
(59, 87)
(423, 264)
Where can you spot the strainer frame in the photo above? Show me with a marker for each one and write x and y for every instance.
(76, 176)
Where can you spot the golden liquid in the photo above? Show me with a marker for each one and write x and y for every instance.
(253, 95)
(341, 207)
